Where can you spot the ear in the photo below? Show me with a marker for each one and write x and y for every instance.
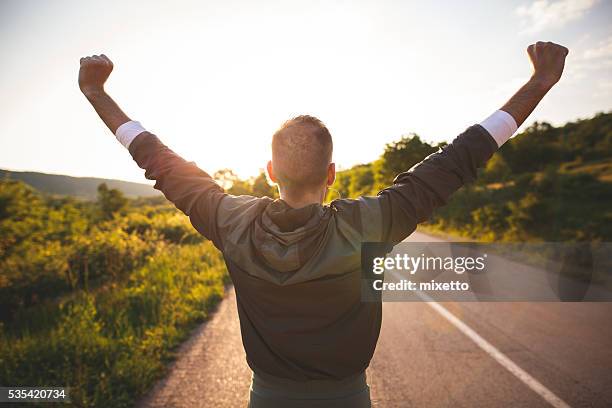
(271, 171)
(331, 174)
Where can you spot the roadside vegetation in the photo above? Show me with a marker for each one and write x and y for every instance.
(96, 295)
(546, 184)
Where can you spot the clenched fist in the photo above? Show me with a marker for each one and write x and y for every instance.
(548, 60)
(93, 73)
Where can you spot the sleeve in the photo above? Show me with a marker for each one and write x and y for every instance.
(192, 190)
(416, 193)
(500, 125)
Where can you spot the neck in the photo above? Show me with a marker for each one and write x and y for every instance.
(315, 197)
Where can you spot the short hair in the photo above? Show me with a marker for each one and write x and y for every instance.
(301, 153)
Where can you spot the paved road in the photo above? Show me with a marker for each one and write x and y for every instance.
(211, 370)
(422, 359)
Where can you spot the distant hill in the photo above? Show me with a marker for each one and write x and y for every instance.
(82, 187)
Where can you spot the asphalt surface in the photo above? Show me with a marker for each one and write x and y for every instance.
(423, 360)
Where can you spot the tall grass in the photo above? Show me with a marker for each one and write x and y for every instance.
(101, 310)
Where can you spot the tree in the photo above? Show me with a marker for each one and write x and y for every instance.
(362, 180)
(262, 188)
(342, 186)
(110, 201)
(496, 170)
(400, 156)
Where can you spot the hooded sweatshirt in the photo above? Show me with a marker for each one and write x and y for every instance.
(297, 271)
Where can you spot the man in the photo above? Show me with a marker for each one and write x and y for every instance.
(294, 262)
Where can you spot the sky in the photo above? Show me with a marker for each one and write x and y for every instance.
(215, 79)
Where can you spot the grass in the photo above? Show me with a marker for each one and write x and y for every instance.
(109, 346)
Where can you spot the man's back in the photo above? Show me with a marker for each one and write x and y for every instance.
(297, 278)
(297, 271)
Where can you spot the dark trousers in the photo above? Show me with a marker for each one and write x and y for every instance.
(272, 392)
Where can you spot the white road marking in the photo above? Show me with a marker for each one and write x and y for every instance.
(491, 350)
(497, 355)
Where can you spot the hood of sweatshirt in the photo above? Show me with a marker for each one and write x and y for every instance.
(286, 238)
(286, 245)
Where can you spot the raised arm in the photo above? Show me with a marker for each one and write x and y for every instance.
(93, 73)
(548, 60)
(191, 189)
(415, 194)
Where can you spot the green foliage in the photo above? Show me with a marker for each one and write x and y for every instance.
(496, 170)
(368, 179)
(546, 184)
(98, 303)
(542, 145)
(361, 180)
(262, 188)
(110, 202)
(551, 207)
(400, 156)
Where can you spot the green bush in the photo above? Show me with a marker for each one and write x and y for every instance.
(95, 303)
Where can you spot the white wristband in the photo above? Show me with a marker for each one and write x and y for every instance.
(500, 125)
(127, 132)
